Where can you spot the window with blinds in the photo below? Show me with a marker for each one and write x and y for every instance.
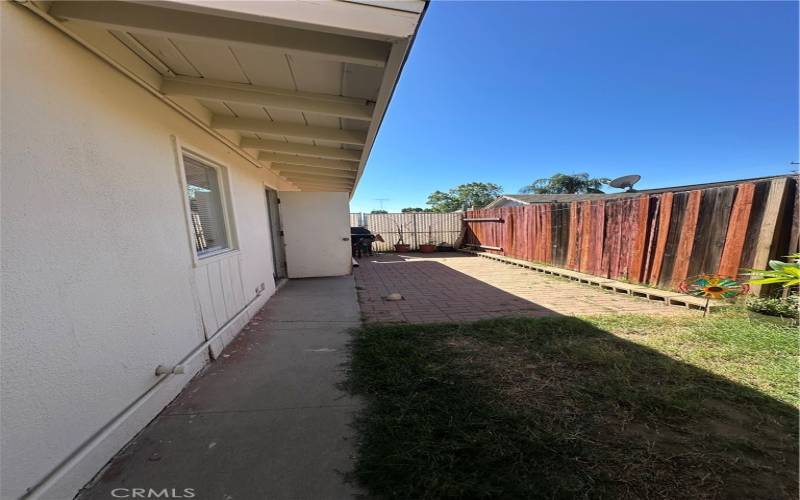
(205, 204)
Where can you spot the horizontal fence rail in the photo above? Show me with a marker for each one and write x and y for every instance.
(417, 228)
(653, 239)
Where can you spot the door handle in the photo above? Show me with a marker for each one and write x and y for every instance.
(346, 238)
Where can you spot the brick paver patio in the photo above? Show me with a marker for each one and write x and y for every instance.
(446, 287)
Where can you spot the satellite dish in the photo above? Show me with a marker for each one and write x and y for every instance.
(626, 181)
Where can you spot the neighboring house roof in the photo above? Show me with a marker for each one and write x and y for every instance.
(529, 199)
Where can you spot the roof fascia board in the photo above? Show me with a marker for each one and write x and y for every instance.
(335, 17)
(187, 25)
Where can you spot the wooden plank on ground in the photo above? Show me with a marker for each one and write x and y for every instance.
(737, 229)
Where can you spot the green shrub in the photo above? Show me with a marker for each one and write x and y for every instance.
(785, 273)
(775, 306)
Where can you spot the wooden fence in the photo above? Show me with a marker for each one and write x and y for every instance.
(654, 239)
(417, 227)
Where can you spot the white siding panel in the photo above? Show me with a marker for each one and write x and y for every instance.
(215, 291)
(208, 314)
(225, 288)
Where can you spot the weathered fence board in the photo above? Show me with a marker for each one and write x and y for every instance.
(662, 233)
(417, 228)
(737, 229)
(658, 239)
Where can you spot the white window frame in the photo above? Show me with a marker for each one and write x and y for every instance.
(228, 215)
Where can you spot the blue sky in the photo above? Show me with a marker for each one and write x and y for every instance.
(508, 92)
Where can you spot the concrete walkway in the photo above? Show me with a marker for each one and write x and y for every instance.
(266, 420)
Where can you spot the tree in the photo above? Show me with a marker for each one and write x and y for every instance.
(416, 209)
(379, 212)
(464, 196)
(566, 184)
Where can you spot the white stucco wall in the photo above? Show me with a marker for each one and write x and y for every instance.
(317, 233)
(98, 283)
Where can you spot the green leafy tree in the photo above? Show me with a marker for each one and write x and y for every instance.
(416, 209)
(474, 194)
(379, 212)
(566, 184)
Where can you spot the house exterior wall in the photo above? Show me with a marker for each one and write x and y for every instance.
(317, 234)
(99, 284)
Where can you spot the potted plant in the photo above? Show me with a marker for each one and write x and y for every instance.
(401, 246)
(429, 246)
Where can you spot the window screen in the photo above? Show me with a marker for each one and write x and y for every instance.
(205, 204)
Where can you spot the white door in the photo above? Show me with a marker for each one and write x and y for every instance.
(316, 230)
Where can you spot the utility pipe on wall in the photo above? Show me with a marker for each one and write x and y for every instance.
(163, 372)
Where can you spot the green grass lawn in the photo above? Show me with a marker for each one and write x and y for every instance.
(603, 407)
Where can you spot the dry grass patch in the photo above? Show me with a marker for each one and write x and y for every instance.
(560, 408)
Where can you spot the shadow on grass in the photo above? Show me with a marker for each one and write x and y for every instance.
(557, 408)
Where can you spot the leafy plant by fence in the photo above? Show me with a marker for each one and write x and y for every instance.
(417, 227)
(654, 239)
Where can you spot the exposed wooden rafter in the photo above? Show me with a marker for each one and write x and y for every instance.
(293, 170)
(309, 161)
(321, 185)
(327, 181)
(356, 137)
(300, 149)
(306, 102)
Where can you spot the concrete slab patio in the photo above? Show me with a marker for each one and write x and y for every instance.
(266, 420)
(456, 287)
